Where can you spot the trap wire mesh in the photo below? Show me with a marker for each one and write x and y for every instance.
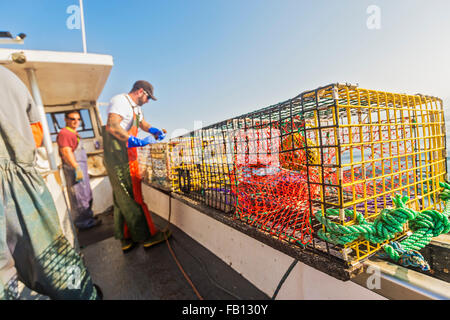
(154, 165)
(338, 147)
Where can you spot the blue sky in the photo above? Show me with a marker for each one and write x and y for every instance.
(210, 60)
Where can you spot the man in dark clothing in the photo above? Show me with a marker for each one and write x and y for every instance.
(33, 248)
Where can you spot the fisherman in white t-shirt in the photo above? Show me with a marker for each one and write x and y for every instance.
(132, 220)
(123, 105)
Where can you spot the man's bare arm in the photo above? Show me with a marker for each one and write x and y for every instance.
(144, 125)
(113, 127)
(68, 156)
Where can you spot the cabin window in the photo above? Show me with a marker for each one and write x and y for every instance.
(56, 122)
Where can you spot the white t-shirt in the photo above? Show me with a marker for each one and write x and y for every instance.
(123, 105)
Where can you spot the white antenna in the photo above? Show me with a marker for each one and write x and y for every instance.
(83, 31)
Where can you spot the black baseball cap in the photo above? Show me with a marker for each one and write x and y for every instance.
(148, 88)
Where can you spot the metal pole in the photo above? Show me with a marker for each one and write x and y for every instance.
(40, 106)
(83, 32)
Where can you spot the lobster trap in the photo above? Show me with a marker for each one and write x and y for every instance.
(388, 144)
(201, 168)
(337, 147)
(154, 165)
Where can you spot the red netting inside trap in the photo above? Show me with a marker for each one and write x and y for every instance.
(274, 200)
(270, 182)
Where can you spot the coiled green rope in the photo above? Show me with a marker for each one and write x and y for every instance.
(425, 225)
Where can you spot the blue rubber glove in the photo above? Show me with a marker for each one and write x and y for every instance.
(161, 136)
(155, 131)
(150, 139)
(136, 142)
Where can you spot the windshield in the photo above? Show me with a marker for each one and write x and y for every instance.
(56, 123)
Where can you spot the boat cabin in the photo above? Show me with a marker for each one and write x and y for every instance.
(60, 82)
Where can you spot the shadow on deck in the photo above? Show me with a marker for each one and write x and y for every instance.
(152, 274)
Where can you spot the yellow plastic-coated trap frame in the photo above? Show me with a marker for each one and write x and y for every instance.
(395, 145)
(200, 169)
(357, 148)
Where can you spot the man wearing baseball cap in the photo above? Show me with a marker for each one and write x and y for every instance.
(132, 220)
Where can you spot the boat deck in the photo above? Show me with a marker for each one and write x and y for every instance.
(152, 274)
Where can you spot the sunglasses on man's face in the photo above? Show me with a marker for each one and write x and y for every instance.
(73, 119)
(148, 96)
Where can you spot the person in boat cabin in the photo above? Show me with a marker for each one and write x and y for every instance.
(74, 159)
(33, 247)
(133, 223)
